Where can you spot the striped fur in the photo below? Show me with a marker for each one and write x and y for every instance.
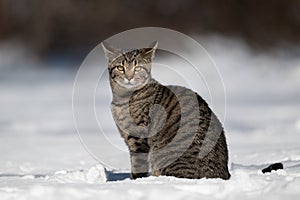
(169, 130)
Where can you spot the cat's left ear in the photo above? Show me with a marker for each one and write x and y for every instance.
(110, 52)
(150, 51)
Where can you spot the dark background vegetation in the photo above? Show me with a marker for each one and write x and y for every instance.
(75, 26)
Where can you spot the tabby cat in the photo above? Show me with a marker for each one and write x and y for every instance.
(169, 130)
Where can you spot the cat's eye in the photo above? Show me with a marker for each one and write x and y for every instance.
(120, 68)
(138, 68)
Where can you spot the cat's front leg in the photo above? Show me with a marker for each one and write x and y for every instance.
(139, 150)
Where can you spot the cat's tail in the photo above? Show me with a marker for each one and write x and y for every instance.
(272, 167)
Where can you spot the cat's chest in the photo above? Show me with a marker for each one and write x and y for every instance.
(132, 117)
(131, 112)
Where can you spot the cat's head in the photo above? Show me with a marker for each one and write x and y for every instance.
(130, 69)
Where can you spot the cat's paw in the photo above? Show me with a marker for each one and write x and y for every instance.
(138, 175)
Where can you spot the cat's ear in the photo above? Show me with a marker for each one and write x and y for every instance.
(109, 51)
(150, 51)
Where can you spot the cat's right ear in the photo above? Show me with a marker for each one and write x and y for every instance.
(150, 51)
(110, 52)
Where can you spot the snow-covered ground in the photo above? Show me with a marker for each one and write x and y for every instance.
(42, 156)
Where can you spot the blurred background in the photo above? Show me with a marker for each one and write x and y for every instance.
(255, 44)
(76, 26)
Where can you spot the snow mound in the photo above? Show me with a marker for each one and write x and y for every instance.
(96, 174)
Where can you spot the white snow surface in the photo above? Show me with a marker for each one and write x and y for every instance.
(42, 156)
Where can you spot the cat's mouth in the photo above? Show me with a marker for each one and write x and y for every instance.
(127, 84)
(130, 84)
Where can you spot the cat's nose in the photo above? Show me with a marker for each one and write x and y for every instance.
(129, 77)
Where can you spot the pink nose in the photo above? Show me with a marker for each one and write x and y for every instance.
(129, 77)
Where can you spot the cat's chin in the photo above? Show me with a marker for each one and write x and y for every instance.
(130, 86)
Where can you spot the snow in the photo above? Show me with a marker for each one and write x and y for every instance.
(43, 157)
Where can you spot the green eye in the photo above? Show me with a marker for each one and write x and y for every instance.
(138, 68)
(120, 68)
